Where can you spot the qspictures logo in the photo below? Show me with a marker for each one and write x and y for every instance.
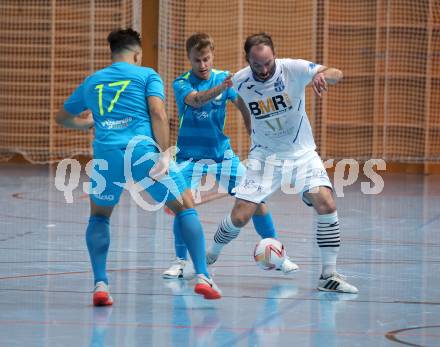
(346, 173)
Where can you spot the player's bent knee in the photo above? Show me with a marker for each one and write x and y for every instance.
(326, 206)
(239, 220)
(261, 209)
(242, 212)
(101, 211)
(187, 198)
(182, 204)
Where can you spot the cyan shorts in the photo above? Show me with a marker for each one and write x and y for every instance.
(114, 168)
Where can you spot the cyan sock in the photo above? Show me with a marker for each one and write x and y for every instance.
(98, 242)
(264, 225)
(194, 238)
(179, 244)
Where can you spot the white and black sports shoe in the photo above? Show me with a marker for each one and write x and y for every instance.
(336, 283)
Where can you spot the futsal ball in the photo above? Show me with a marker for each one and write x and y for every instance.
(269, 254)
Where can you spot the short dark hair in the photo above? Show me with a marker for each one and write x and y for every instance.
(258, 39)
(123, 39)
(199, 41)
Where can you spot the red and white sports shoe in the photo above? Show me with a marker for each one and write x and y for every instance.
(101, 295)
(205, 286)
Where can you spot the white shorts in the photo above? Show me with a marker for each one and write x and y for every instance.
(264, 176)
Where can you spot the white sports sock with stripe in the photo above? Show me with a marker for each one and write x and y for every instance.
(328, 239)
(225, 233)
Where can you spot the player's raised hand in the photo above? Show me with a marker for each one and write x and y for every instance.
(161, 168)
(319, 84)
(228, 80)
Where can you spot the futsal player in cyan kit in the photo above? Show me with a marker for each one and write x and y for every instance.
(127, 100)
(201, 96)
(274, 92)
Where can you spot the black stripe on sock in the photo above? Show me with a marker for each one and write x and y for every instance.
(222, 236)
(320, 230)
(333, 242)
(328, 225)
(328, 235)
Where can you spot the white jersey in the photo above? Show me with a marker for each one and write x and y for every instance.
(277, 107)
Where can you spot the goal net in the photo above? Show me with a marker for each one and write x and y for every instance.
(387, 104)
(389, 51)
(47, 48)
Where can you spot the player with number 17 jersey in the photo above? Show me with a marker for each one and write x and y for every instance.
(117, 95)
(126, 106)
(277, 106)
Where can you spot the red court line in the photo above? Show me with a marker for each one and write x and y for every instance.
(20, 195)
(284, 232)
(210, 196)
(392, 335)
(303, 264)
(269, 330)
(70, 273)
(353, 297)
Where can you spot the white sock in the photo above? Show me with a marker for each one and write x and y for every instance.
(225, 233)
(216, 248)
(328, 239)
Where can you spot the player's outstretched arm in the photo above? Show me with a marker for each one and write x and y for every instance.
(332, 75)
(69, 120)
(239, 103)
(324, 76)
(198, 99)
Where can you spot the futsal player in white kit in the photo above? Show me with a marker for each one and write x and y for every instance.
(282, 152)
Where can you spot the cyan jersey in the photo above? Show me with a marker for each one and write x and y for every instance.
(117, 96)
(201, 133)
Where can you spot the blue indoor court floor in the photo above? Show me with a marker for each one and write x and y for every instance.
(390, 251)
